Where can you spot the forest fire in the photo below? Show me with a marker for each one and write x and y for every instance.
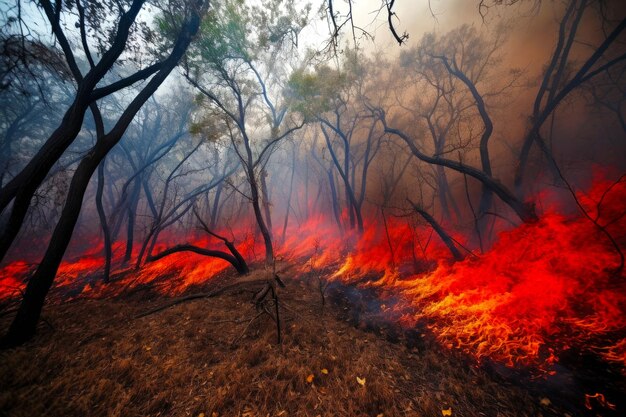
(543, 288)
(458, 199)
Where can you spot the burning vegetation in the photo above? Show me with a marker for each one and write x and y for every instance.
(207, 217)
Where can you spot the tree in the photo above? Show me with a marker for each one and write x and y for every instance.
(565, 74)
(334, 99)
(452, 68)
(458, 80)
(25, 322)
(20, 189)
(227, 71)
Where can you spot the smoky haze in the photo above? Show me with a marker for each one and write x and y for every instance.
(379, 132)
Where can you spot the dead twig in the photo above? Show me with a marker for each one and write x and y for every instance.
(197, 296)
(245, 329)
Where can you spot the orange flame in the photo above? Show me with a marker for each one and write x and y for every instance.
(541, 290)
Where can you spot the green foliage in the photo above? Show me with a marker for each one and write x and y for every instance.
(207, 127)
(223, 36)
(279, 21)
(312, 93)
(234, 31)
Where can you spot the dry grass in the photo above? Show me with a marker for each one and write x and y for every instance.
(99, 361)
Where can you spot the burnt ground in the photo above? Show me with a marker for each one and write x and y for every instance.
(205, 358)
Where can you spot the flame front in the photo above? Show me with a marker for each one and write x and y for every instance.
(543, 288)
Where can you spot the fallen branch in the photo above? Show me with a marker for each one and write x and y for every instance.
(234, 261)
(245, 329)
(214, 293)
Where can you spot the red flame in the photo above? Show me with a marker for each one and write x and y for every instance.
(541, 290)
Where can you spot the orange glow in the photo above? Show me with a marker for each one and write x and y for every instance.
(12, 279)
(599, 399)
(541, 290)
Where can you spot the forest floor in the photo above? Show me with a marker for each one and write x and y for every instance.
(205, 358)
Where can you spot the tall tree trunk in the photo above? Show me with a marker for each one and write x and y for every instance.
(445, 237)
(265, 197)
(288, 207)
(335, 199)
(442, 191)
(256, 206)
(25, 322)
(103, 223)
(352, 201)
(23, 186)
(216, 206)
(130, 225)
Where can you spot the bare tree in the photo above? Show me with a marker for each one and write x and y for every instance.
(23, 186)
(228, 75)
(24, 325)
(564, 75)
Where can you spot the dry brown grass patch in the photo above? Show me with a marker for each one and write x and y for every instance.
(182, 362)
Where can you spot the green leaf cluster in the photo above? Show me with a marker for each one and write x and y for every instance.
(312, 93)
(224, 35)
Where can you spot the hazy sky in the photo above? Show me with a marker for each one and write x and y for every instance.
(416, 18)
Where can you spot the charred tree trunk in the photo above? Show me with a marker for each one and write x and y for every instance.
(486, 199)
(130, 225)
(265, 197)
(445, 237)
(558, 87)
(103, 223)
(150, 239)
(255, 196)
(442, 192)
(353, 204)
(242, 266)
(335, 199)
(347, 187)
(97, 116)
(526, 212)
(288, 207)
(256, 206)
(216, 206)
(25, 322)
(23, 186)
(149, 198)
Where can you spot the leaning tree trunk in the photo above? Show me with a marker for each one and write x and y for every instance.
(445, 237)
(23, 186)
(525, 211)
(25, 322)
